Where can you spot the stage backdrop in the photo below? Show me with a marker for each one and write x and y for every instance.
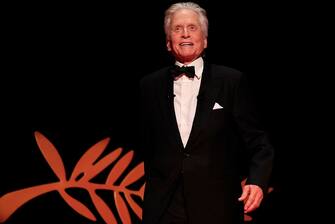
(69, 123)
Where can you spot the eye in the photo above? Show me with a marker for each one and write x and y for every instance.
(192, 28)
(177, 29)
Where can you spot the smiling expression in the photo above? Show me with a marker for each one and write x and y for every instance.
(186, 39)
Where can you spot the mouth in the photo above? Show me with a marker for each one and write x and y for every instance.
(186, 44)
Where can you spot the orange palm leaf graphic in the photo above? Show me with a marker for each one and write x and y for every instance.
(86, 168)
(136, 208)
(51, 155)
(87, 164)
(103, 208)
(119, 168)
(133, 175)
(77, 205)
(122, 208)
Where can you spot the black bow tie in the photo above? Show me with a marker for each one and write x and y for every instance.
(185, 70)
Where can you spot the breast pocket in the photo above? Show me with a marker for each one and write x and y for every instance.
(217, 115)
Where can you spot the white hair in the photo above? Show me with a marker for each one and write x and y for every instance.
(186, 5)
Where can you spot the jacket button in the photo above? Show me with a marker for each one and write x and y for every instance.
(187, 155)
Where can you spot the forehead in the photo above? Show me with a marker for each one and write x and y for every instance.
(184, 16)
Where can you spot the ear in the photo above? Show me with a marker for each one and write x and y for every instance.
(205, 43)
(168, 45)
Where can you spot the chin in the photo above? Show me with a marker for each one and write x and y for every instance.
(187, 59)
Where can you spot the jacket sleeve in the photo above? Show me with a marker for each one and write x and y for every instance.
(260, 152)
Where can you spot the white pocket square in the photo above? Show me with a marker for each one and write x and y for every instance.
(217, 106)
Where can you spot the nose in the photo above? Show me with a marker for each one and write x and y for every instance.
(185, 33)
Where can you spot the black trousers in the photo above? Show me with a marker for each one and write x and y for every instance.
(176, 211)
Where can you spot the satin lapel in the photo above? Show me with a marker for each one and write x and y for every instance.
(166, 97)
(209, 88)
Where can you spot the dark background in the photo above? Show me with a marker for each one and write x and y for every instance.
(71, 71)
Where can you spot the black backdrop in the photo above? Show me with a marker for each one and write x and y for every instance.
(71, 71)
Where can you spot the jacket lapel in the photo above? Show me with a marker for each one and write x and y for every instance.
(210, 85)
(166, 100)
(209, 88)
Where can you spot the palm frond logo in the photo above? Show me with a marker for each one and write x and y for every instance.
(88, 167)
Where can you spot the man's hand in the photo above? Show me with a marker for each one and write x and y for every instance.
(252, 197)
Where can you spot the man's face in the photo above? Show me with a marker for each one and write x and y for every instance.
(186, 40)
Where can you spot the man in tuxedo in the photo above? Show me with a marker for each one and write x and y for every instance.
(200, 133)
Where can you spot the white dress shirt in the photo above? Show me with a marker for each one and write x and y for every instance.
(185, 101)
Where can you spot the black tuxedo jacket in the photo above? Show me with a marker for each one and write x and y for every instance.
(225, 145)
